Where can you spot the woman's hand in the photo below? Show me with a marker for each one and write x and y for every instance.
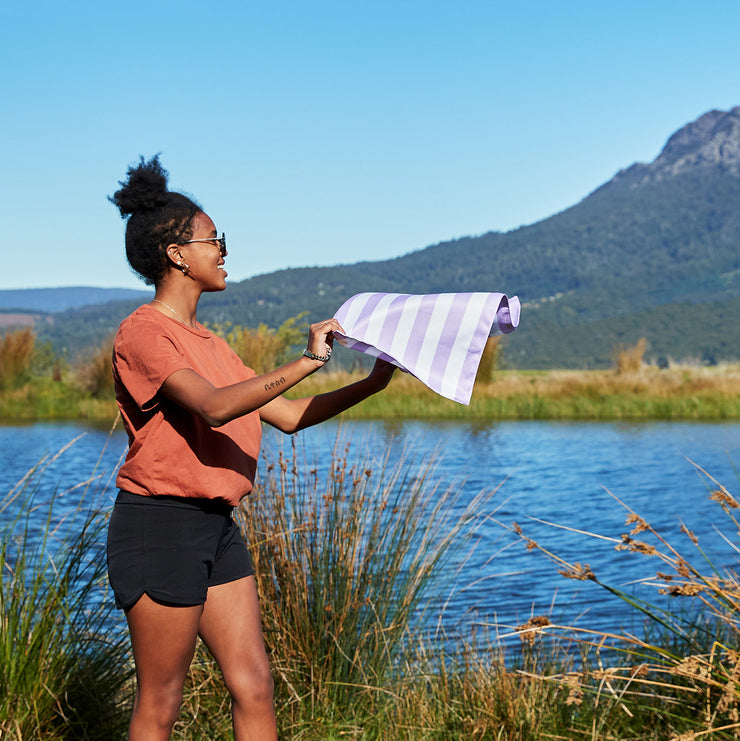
(382, 373)
(320, 337)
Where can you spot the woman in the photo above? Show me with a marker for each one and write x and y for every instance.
(178, 565)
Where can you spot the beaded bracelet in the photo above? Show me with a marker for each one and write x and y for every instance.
(321, 358)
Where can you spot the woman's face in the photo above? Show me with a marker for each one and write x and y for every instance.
(202, 253)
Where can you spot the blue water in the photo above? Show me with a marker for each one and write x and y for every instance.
(568, 474)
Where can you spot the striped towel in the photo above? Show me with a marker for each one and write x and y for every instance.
(439, 338)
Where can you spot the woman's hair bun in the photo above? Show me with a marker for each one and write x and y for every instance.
(144, 189)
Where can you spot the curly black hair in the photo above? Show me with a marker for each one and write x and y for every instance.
(157, 217)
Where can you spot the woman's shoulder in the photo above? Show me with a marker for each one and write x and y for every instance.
(142, 322)
(145, 314)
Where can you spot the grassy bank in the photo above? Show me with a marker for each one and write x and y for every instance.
(688, 392)
(676, 393)
(348, 562)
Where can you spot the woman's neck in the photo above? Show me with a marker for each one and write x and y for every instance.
(176, 305)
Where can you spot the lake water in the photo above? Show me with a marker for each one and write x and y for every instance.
(563, 473)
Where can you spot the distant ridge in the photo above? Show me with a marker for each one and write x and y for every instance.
(53, 300)
(654, 252)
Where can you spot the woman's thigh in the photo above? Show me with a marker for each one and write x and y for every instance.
(163, 640)
(231, 627)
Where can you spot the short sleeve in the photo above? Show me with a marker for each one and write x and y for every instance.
(144, 356)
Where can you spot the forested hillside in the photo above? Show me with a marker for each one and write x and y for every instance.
(653, 253)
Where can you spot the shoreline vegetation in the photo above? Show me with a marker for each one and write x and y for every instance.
(684, 392)
(350, 567)
(35, 385)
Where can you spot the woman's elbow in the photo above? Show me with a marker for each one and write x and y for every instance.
(213, 416)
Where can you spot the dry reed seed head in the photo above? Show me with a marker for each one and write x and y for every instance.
(724, 498)
(688, 589)
(664, 577)
(575, 694)
(606, 674)
(579, 572)
(729, 698)
(640, 525)
(688, 736)
(516, 528)
(635, 546)
(692, 666)
(682, 567)
(529, 631)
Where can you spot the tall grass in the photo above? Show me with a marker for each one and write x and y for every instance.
(681, 679)
(16, 356)
(629, 359)
(682, 392)
(62, 668)
(95, 372)
(355, 557)
(348, 556)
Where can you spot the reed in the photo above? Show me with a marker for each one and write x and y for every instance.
(94, 374)
(353, 556)
(630, 358)
(348, 557)
(681, 679)
(16, 355)
(62, 668)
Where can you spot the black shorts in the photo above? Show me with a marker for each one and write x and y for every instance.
(172, 549)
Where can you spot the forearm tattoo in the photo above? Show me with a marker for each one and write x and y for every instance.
(275, 384)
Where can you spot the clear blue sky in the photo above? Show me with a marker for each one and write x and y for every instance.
(319, 133)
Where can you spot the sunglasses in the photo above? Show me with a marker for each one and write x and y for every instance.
(221, 241)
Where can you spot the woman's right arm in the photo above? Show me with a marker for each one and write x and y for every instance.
(217, 406)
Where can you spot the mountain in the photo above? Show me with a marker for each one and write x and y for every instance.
(47, 300)
(652, 253)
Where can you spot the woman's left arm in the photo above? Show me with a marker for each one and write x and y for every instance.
(292, 415)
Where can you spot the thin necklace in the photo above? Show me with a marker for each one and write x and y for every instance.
(170, 308)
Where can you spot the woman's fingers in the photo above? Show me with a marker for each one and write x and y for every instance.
(320, 335)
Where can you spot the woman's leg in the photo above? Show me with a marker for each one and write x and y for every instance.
(163, 640)
(231, 628)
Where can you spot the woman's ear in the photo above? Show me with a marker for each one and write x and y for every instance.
(175, 256)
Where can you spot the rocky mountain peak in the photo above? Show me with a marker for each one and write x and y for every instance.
(713, 140)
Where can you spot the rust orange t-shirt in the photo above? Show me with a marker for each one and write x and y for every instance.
(171, 450)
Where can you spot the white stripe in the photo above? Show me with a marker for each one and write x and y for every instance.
(409, 312)
(375, 321)
(355, 309)
(430, 345)
(463, 336)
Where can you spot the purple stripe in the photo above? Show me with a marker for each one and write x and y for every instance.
(391, 321)
(419, 330)
(367, 311)
(447, 338)
(363, 347)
